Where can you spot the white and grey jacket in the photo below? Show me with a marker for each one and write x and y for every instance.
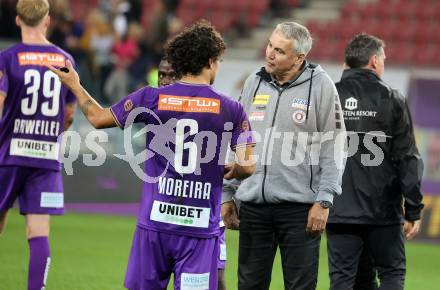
(300, 134)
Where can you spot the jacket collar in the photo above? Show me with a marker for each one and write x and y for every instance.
(269, 78)
(364, 72)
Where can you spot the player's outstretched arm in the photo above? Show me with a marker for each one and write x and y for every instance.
(245, 166)
(98, 116)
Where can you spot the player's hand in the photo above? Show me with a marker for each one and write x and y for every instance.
(411, 228)
(230, 215)
(317, 219)
(228, 172)
(68, 76)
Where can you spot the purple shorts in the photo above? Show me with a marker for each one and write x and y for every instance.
(155, 255)
(222, 251)
(39, 191)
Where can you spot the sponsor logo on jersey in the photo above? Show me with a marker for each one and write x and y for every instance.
(299, 116)
(52, 199)
(351, 104)
(257, 116)
(189, 281)
(46, 272)
(300, 104)
(189, 104)
(181, 215)
(222, 252)
(41, 58)
(352, 113)
(34, 149)
(128, 105)
(261, 99)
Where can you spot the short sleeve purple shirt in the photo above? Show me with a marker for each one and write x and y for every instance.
(33, 111)
(189, 129)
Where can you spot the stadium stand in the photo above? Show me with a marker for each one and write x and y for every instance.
(409, 28)
(223, 14)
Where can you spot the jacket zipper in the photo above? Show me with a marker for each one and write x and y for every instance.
(267, 149)
(270, 134)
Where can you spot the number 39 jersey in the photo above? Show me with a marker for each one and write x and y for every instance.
(33, 111)
(188, 131)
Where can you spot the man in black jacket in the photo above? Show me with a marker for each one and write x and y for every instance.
(381, 175)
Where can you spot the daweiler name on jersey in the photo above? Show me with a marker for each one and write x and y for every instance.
(182, 215)
(36, 127)
(184, 188)
(34, 149)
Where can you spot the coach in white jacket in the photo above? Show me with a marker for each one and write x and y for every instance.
(294, 110)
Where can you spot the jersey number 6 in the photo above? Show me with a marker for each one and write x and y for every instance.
(182, 145)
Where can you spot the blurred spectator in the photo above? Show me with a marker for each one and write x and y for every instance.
(97, 42)
(62, 33)
(7, 20)
(135, 12)
(59, 9)
(165, 25)
(123, 13)
(101, 43)
(126, 51)
(120, 21)
(171, 5)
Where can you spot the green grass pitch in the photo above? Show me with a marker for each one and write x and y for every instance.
(89, 252)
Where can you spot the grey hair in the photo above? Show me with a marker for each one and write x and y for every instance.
(299, 33)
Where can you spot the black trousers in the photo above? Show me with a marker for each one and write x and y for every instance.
(366, 272)
(348, 244)
(265, 227)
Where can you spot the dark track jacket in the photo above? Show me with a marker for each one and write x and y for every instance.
(383, 175)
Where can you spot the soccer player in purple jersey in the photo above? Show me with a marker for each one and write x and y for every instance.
(167, 76)
(178, 223)
(37, 108)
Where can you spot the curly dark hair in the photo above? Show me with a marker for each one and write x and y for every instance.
(360, 48)
(190, 51)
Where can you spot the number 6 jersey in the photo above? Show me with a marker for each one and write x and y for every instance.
(188, 129)
(33, 110)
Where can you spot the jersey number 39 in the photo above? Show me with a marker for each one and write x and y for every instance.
(51, 91)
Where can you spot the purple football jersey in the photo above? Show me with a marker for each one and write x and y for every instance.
(33, 112)
(189, 128)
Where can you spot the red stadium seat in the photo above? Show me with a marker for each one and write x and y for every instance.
(241, 4)
(436, 60)
(256, 10)
(149, 9)
(387, 11)
(350, 10)
(406, 31)
(406, 11)
(222, 22)
(78, 9)
(293, 3)
(387, 30)
(422, 33)
(313, 27)
(403, 53)
(425, 11)
(425, 55)
(186, 15)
